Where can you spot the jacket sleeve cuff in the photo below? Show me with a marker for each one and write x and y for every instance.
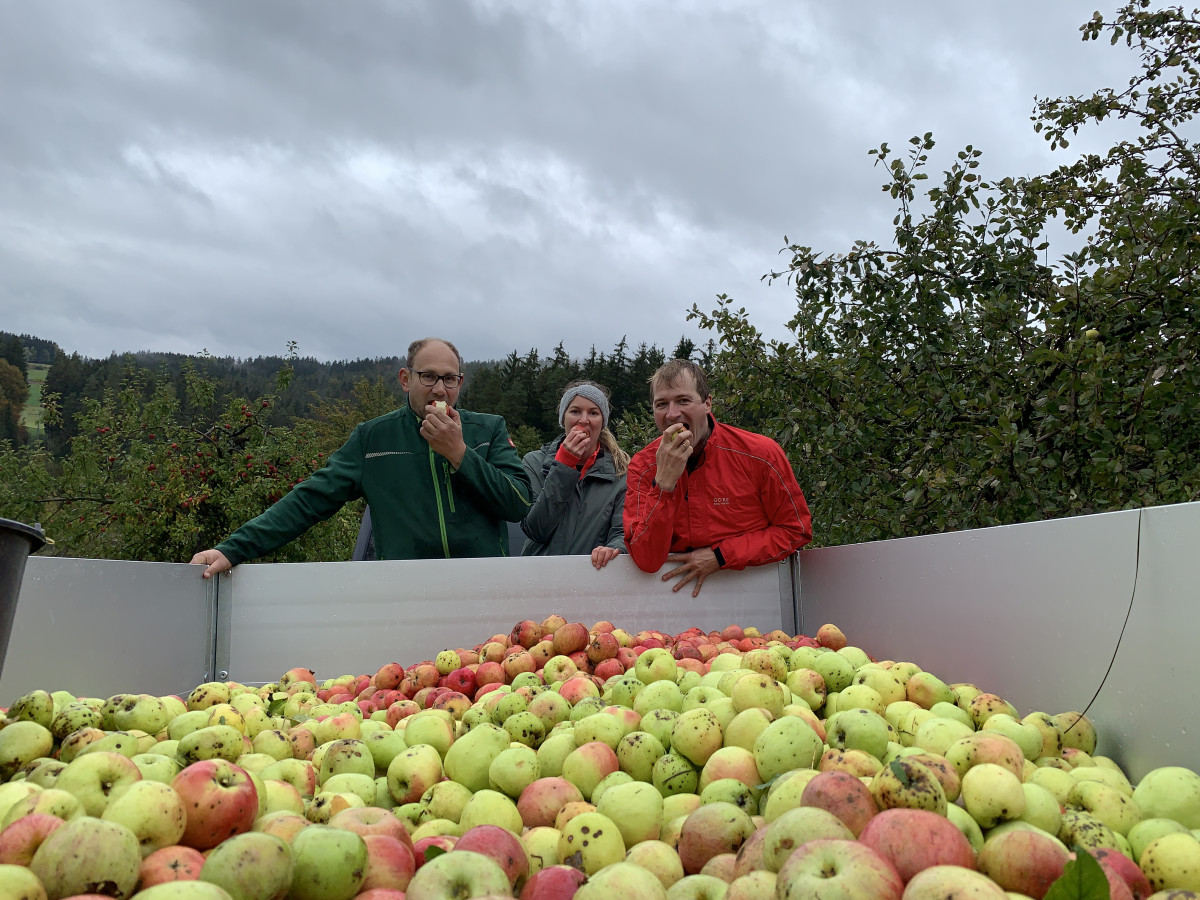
(566, 457)
(719, 555)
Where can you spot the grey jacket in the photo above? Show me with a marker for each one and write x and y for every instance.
(572, 515)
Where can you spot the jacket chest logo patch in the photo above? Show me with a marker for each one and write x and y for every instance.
(720, 501)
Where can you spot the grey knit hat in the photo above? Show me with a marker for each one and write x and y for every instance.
(587, 391)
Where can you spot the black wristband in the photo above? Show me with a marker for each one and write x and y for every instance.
(720, 556)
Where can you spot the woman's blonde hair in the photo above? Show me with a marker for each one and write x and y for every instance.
(619, 457)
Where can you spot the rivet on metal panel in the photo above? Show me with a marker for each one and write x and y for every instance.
(222, 675)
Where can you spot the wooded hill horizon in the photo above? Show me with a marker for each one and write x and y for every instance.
(524, 388)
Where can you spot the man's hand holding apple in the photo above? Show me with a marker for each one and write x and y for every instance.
(674, 450)
(442, 430)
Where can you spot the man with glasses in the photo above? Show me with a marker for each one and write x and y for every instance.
(440, 482)
(707, 495)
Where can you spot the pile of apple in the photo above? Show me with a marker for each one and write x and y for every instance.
(560, 761)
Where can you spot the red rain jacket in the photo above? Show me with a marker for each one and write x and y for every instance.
(742, 498)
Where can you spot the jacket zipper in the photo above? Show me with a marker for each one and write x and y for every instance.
(438, 496)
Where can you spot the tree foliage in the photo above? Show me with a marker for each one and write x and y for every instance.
(954, 379)
(526, 390)
(160, 478)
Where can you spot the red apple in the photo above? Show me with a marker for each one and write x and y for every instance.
(555, 882)
(916, 839)
(843, 795)
(20, 840)
(570, 638)
(502, 846)
(1135, 879)
(390, 863)
(838, 870)
(174, 863)
(443, 842)
(389, 676)
(220, 800)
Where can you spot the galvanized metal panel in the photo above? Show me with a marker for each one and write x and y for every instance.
(1147, 709)
(342, 618)
(100, 627)
(1035, 613)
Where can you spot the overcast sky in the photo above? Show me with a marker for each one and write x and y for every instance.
(230, 175)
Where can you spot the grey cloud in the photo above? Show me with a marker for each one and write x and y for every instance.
(232, 175)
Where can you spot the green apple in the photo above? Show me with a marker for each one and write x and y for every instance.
(1170, 792)
(604, 728)
(1109, 805)
(938, 734)
(153, 811)
(637, 753)
(906, 783)
(327, 864)
(992, 794)
(86, 852)
(95, 778)
(488, 807)
(413, 771)
(434, 727)
(835, 669)
(857, 729)
(1041, 808)
(346, 756)
(18, 883)
(697, 735)
(470, 757)
(660, 694)
(799, 826)
(1147, 831)
(622, 879)
(755, 690)
(555, 749)
(837, 870)
(49, 801)
(20, 744)
(590, 841)
(250, 865)
(1172, 862)
(513, 770)
(786, 792)
(211, 742)
(656, 664)
(1026, 735)
(36, 706)
(635, 808)
(352, 783)
(660, 859)
(787, 743)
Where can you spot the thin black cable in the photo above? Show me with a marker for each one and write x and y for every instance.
(1137, 559)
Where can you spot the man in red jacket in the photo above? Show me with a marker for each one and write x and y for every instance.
(705, 495)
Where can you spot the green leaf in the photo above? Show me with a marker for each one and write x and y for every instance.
(433, 851)
(1082, 879)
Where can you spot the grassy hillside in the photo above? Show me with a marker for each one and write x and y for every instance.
(31, 415)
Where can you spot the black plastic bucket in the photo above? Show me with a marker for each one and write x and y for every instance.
(17, 541)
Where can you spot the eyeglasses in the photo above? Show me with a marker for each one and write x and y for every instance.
(429, 379)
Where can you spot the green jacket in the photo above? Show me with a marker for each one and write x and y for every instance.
(419, 507)
(572, 515)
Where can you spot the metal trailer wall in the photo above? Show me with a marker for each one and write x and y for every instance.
(347, 618)
(1036, 613)
(98, 627)
(1032, 612)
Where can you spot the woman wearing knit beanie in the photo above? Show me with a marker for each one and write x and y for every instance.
(578, 483)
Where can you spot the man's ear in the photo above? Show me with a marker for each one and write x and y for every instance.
(402, 377)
